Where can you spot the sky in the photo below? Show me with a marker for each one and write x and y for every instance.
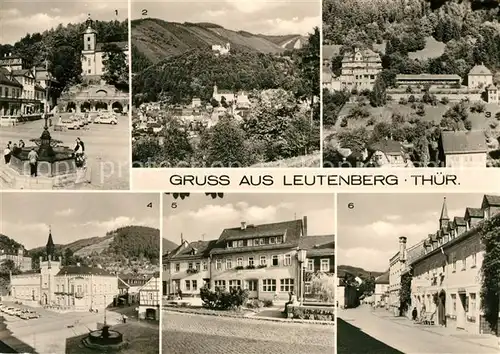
(19, 17)
(25, 217)
(368, 233)
(274, 17)
(201, 217)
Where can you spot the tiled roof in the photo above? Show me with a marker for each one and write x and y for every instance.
(436, 77)
(122, 45)
(382, 279)
(492, 200)
(21, 72)
(318, 245)
(474, 212)
(202, 248)
(122, 284)
(6, 79)
(388, 146)
(480, 70)
(463, 142)
(459, 221)
(82, 270)
(292, 230)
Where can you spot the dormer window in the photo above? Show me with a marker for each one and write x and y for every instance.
(235, 243)
(261, 241)
(240, 243)
(272, 240)
(190, 266)
(279, 239)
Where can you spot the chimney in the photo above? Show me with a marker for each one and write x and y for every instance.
(304, 225)
(243, 225)
(402, 249)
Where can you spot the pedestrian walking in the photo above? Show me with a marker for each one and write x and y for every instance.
(414, 314)
(6, 154)
(33, 159)
(21, 143)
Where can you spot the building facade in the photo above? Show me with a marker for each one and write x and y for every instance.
(381, 294)
(396, 266)
(479, 77)
(20, 261)
(360, 69)
(463, 148)
(10, 94)
(446, 278)
(149, 300)
(422, 80)
(72, 288)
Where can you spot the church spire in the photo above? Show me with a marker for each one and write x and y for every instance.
(443, 219)
(50, 248)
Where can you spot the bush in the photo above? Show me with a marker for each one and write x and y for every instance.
(477, 107)
(403, 101)
(411, 99)
(323, 287)
(493, 124)
(468, 124)
(268, 303)
(255, 304)
(313, 313)
(371, 121)
(343, 123)
(445, 100)
(221, 299)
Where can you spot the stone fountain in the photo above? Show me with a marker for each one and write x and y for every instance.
(105, 340)
(56, 165)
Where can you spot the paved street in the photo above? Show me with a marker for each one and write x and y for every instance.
(107, 147)
(199, 334)
(364, 329)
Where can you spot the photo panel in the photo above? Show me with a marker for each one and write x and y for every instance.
(226, 83)
(411, 84)
(248, 270)
(80, 274)
(64, 99)
(415, 269)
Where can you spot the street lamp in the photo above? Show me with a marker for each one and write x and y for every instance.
(301, 257)
(105, 310)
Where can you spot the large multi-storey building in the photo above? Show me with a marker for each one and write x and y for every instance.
(446, 269)
(264, 259)
(396, 265)
(20, 261)
(76, 288)
(360, 69)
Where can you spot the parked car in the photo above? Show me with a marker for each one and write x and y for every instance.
(24, 316)
(33, 314)
(107, 119)
(70, 123)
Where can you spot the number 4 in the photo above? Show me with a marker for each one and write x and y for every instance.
(150, 205)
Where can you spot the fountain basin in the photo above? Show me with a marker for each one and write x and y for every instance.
(105, 340)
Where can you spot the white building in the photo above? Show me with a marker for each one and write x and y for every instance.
(221, 49)
(360, 69)
(479, 77)
(149, 300)
(464, 148)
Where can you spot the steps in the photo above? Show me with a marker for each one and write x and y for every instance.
(10, 179)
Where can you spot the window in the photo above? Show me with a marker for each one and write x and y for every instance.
(310, 265)
(288, 260)
(286, 285)
(472, 304)
(195, 285)
(279, 239)
(454, 263)
(325, 265)
(205, 265)
(190, 266)
(57, 287)
(234, 284)
(239, 262)
(250, 261)
(454, 304)
(272, 240)
(269, 285)
(229, 244)
(88, 46)
(263, 260)
(240, 243)
(229, 263)
(474, 255)
(188, 285)
(218, 264)
(251, 285)
(275, 261)
(79, 289)
(464, 263)
(88, 39)
(197, 265)
(235, 243)
(220, 284)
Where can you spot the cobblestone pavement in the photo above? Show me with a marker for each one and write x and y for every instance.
(404, 336)
(198, 334)
(107, 148)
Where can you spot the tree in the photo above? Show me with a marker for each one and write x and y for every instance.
(405, 292)
(115, 66)
(226, 145)
(323, 287)
(214, 102)
(9, 266)
(378, 96)
(490, 270)
(310, 66)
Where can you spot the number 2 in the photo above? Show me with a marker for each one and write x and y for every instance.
(144, 12)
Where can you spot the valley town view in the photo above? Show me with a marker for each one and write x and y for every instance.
(208, 96)
(64, 294)
(411, 83)
(64, 107)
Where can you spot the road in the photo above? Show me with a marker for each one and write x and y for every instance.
(107, 148)
(200, 334)
(363, 330)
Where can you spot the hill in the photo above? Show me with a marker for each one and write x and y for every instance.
(357, 272)
(168, 245)
(156, 39)
(8, 245)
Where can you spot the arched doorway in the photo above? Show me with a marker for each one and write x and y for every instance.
(117, 107)
(71, 107)
(85, 107)
(151, 314)
(441, 308)
(44, 299)
(101, 106)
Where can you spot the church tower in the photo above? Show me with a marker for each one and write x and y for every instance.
(50, 247)
(89, 37)
(444, 219)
